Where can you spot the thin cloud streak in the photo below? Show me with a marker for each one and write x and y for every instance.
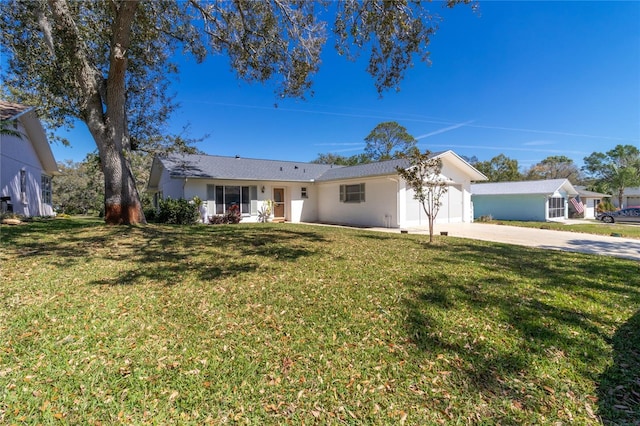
(502, 148)
(339, 144)
(550, 132)
(444, 130)
(538, 143)
(418, 120)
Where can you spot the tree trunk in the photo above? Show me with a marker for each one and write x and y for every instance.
(103, 107)
(620, 196)
(430, 229)
(121, 199)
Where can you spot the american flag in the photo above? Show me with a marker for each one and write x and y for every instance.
(578, 205)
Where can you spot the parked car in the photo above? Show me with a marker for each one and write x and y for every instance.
(631, 214)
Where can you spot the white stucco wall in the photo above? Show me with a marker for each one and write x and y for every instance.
(456, 202)
(17, 154)
(388, 203)
(297, 209)
(379, 208)
(303, 209)
(590, 207)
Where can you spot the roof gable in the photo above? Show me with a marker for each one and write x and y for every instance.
(473, 173)
(34, 131)
(11, 111)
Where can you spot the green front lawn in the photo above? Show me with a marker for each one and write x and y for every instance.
(595, 227)
(281, 323)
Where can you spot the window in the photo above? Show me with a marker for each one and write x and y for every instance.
(303, 192)
(45, 183)
(227, 196)
(556, 207)
(23, 186)
(352, 193)
(157, 197)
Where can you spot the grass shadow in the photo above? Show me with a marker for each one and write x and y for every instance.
(619, 385)
(523, 293)
(161, 253)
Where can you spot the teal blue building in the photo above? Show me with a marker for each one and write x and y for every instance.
(539, 200)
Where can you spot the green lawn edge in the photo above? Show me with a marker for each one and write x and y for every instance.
(285, 323)
(594, 227)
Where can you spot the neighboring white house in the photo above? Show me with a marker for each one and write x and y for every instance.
(27, 164)
(589, 201)
(537, 200)
(631, 198)
(363, 195)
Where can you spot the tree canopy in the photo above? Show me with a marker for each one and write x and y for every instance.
(615, 170)
(388, 140)
(77, 187)
(555, 167)
(109, 64)
(341, 160)
(500, 169)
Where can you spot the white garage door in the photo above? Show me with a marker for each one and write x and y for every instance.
(450, 211)
(452, 208)
(633, 201)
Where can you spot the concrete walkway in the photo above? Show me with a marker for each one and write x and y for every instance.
(627, 248)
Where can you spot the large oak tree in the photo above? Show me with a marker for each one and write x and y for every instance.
(107, 62)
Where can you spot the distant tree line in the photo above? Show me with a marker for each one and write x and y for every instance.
(610, 173)
(80, 187)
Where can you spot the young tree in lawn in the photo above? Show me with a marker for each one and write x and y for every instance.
(425, 178)
(615, 170)
(388, 140)
(107, 64)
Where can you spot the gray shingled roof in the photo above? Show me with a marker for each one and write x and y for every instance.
(583, 192)
(238, 168)
(218, 167)
(543, 187)
(9, 110)
(364, 170)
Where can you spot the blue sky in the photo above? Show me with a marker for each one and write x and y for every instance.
(526, 79)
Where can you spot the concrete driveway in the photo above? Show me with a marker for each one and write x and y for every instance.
(542, 238)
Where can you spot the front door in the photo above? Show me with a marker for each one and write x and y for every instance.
(278, 202)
